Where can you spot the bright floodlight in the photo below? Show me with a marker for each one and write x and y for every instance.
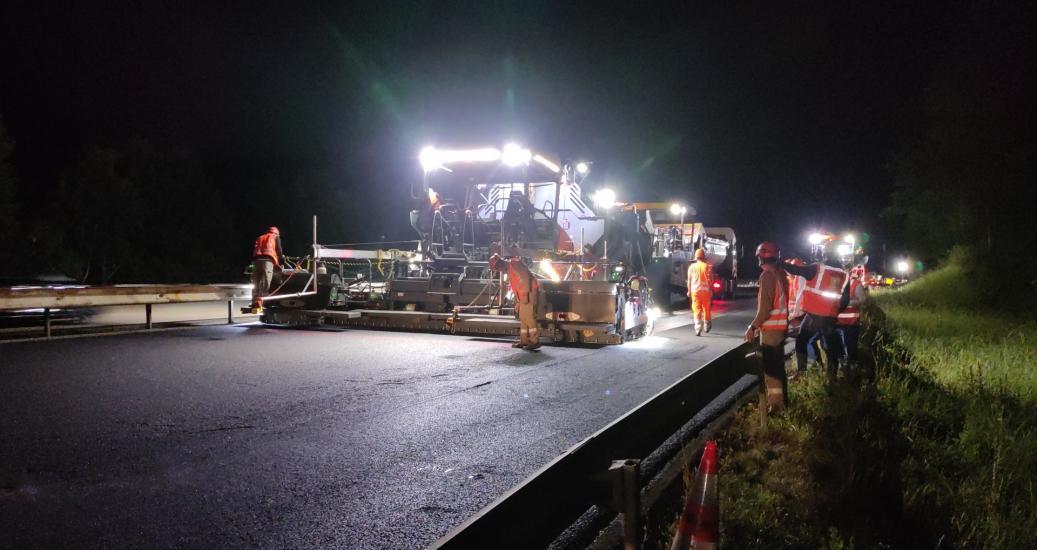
(513, 155)
(675, 209)
(844, 249)
(850, 238)
(605, 198)
(582, 167)
(430, 158)
(816, 238)
(902, 266)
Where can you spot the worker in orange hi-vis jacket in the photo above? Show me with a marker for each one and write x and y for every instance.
(769, 325)
(700, 279)
(526, 288)
(266, 257)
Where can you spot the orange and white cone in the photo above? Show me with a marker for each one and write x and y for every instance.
(699, 525)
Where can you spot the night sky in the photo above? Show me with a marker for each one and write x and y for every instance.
(774, 119)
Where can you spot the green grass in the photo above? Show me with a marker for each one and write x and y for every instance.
(936, 449)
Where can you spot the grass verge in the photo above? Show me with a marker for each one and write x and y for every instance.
(937, 448)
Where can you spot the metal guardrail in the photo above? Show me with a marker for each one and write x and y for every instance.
(64, 297)
(535, 512)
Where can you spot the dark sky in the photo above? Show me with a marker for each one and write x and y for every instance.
(774, 118)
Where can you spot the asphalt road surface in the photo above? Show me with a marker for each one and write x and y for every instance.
(248, 436)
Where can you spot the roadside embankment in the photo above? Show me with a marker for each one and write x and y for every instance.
(935, 448)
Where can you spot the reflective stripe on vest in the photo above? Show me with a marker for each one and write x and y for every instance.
(266, 245)
(852, 314)
(778, 318)
(823, 290)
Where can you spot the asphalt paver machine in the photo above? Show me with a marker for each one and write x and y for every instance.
(468, 204)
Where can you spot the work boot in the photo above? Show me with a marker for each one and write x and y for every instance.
(709, 326)
(533, 347)
(698, 329)
(518, 345)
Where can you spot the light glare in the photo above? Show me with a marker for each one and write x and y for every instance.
(513, 155)
(605, 198)
(549, 270)
(547, 164)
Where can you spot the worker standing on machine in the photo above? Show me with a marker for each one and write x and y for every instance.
(526, 289)
(700, 280)
(825, 294)
(266, 256)
(770, 324)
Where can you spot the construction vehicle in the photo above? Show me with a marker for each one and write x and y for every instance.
(467, 204)
(667, 244)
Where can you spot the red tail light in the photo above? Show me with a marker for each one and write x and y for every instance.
(716, 285)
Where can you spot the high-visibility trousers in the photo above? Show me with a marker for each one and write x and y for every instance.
(529, 332)
(701, 305)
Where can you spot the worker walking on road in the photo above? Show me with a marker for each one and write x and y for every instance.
(700, 280)
(770, 324)
(266, 256)
(526, 288)
(825, 294)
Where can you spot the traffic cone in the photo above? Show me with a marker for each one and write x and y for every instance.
(699, 525)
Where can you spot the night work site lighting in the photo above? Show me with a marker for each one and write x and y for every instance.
(816, 238)
(547, 163)
(678, 209)
(605, 198)
(582, 167)
(903, 266)
(513, 155)
(432, 158)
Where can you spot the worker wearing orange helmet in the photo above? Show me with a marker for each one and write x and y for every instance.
(526, 288)
(266, 257)
(770, 324)
(700, 279)
(825, 294)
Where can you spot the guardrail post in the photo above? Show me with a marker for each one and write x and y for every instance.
(626, 499)
(46, 322)
(147, 315)
(230, 312)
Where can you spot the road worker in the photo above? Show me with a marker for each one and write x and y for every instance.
(526, 288)
(770, 324)
(266, 257)
(700, 279)
(825, 294)
(847, 326)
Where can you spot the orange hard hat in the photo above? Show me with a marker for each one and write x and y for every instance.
(767, 249)
(797, 261)
(274, 230)
(700, 254)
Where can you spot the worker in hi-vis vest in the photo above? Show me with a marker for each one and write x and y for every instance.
(825, 294)
(700, 280)
(770, 323)
(526, 288)
(266, 256)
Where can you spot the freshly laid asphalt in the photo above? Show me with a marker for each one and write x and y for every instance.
(249, 436)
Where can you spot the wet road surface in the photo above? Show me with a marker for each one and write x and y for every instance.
(245, 435)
